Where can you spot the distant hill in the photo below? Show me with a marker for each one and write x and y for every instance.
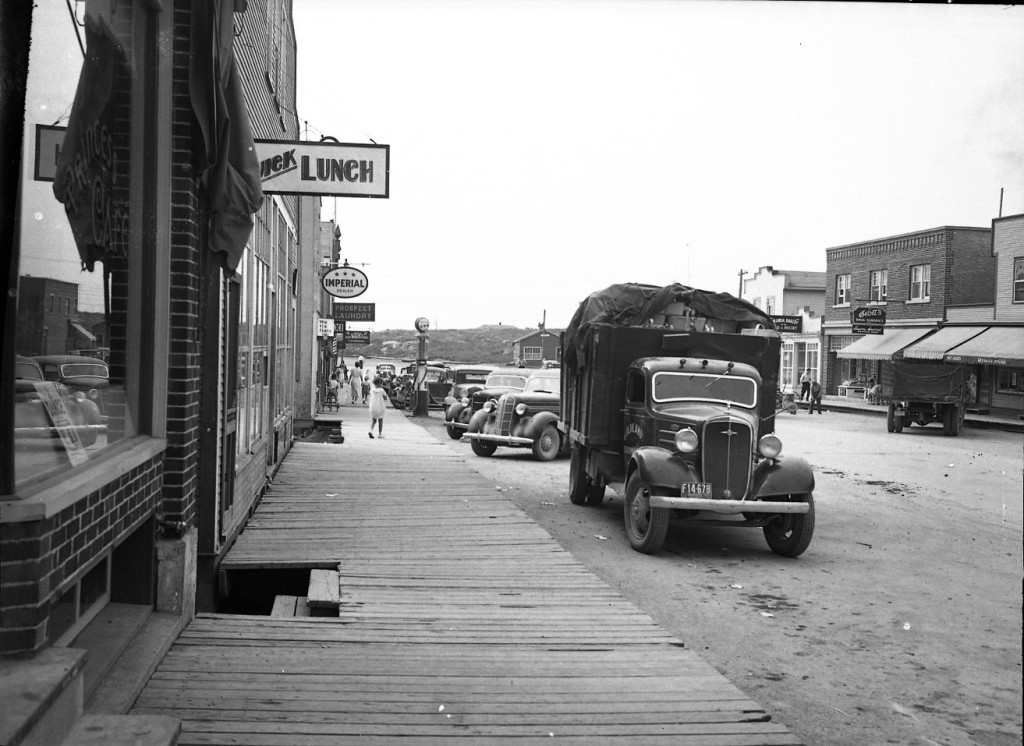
(485, 344)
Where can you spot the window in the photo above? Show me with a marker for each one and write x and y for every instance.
(1018, 279)
(921, 282)
(769, 305)
(757, 302)
(1011, 380)
(532, 353)
(842, 290)
(879, 285)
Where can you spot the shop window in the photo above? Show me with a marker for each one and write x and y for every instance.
(1018, 279)
(879, 285)
(81, 223)
(921, 282)
(1010, 381)
(842, 290)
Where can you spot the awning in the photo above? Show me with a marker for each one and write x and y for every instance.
(882, 346)
(945, 339)
(82, 331)
(997, 345)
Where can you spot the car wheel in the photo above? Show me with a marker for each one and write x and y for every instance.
(646, 527)
(484, 447)
(453, 432)
(547, 445)
(789, 534)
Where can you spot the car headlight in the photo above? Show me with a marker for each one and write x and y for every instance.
(78, 396)
(490, 405)
(769, 446)
(94, 394)
(686, 441)
(521, 409)
(465, 401)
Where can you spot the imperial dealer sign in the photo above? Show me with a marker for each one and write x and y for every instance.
(330, 169)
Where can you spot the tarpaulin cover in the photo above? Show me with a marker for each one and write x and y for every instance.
(632, 304)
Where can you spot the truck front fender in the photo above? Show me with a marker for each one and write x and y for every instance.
(659, 467)
(783, 476)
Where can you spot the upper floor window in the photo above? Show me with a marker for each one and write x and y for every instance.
(879, 284)
(842, 290)
(1018, 279)
(921, 282)
(769, 305)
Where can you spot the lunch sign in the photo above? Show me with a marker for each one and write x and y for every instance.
(332, 169)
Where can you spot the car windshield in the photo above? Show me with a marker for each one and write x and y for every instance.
(506, 380)
(544, 383)
(81, 370)
(28, 371)
(471, 376)
(735, 390)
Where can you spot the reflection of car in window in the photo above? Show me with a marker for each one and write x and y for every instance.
(88, 375)
(40, 406)
(525, 418)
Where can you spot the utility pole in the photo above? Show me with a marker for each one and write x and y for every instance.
(741, 273)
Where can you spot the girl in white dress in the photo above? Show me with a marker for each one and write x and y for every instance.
(376, 406)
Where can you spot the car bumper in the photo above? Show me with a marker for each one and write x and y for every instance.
(509, 440)
(727, 506)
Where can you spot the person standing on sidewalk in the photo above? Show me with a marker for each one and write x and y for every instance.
(376, 399)
(805, 385)
(815, 392)
(355, 382)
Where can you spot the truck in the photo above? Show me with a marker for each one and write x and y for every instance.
(669, 398)
(921, 393)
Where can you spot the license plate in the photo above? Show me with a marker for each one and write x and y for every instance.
(696, 489)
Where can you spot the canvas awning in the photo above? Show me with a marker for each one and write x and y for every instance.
(945, 339)
(882, 346)
(997, 345)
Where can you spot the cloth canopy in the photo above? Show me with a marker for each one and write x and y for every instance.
(997, 345)
(882, 346)
(935, 346)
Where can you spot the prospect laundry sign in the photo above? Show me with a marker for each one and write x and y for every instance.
(325, 168)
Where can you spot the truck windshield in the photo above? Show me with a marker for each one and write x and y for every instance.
(735, 390)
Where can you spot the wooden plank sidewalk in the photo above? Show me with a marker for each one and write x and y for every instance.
(460, 618)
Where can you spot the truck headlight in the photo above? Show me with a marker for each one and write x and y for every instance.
(521, 409)
(769, 446)
(686, 441)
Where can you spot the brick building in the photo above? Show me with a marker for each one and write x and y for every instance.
(910, 278)
(196, 276)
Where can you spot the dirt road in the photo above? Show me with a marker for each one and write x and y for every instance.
(901, 623)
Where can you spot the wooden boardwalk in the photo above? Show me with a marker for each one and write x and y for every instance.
(460, 618)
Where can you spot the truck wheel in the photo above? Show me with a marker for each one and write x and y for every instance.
(646, 527)
(897, 423)
(595, 494)
(890, 418)
(789, 534)
(484, 447)
(453, 432)
(547, 445)
(578, 482)
(951, 421)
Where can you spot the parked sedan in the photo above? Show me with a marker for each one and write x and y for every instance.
(498, 382)
(465, 381)
(521, 419)
(45, 411)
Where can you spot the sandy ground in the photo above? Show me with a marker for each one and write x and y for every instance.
(900, 624)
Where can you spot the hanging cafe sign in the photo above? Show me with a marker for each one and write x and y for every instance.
(330, 169)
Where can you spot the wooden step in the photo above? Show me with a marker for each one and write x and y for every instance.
(324, 594)
(124, 730)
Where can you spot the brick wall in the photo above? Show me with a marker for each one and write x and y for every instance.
(41, 556)
(1008, 243)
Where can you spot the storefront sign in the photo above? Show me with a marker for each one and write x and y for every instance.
(868, 315)
(48, 144)
(323, 168)
(345, 282)
(357, 338)
(868, 329)
(792, 324)
(355, 311)
(325, 327)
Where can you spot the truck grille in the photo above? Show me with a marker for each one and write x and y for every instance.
(727, 460)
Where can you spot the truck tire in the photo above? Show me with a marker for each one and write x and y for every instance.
(483, 448)
(646, 527)
(951, 420)
(595, 494)
(547, 445)
(578, 481)
(789, 534)
(890, 418)
(897, 423)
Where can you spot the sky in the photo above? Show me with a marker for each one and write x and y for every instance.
(541, 151)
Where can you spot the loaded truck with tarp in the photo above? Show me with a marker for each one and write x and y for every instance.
(669, 397)
(920, 393)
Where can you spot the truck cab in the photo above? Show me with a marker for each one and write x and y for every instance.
(680, 421)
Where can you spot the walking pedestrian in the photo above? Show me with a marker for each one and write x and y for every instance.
(815, 388)
(805, 385)
(355, 381)
(376, 398)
